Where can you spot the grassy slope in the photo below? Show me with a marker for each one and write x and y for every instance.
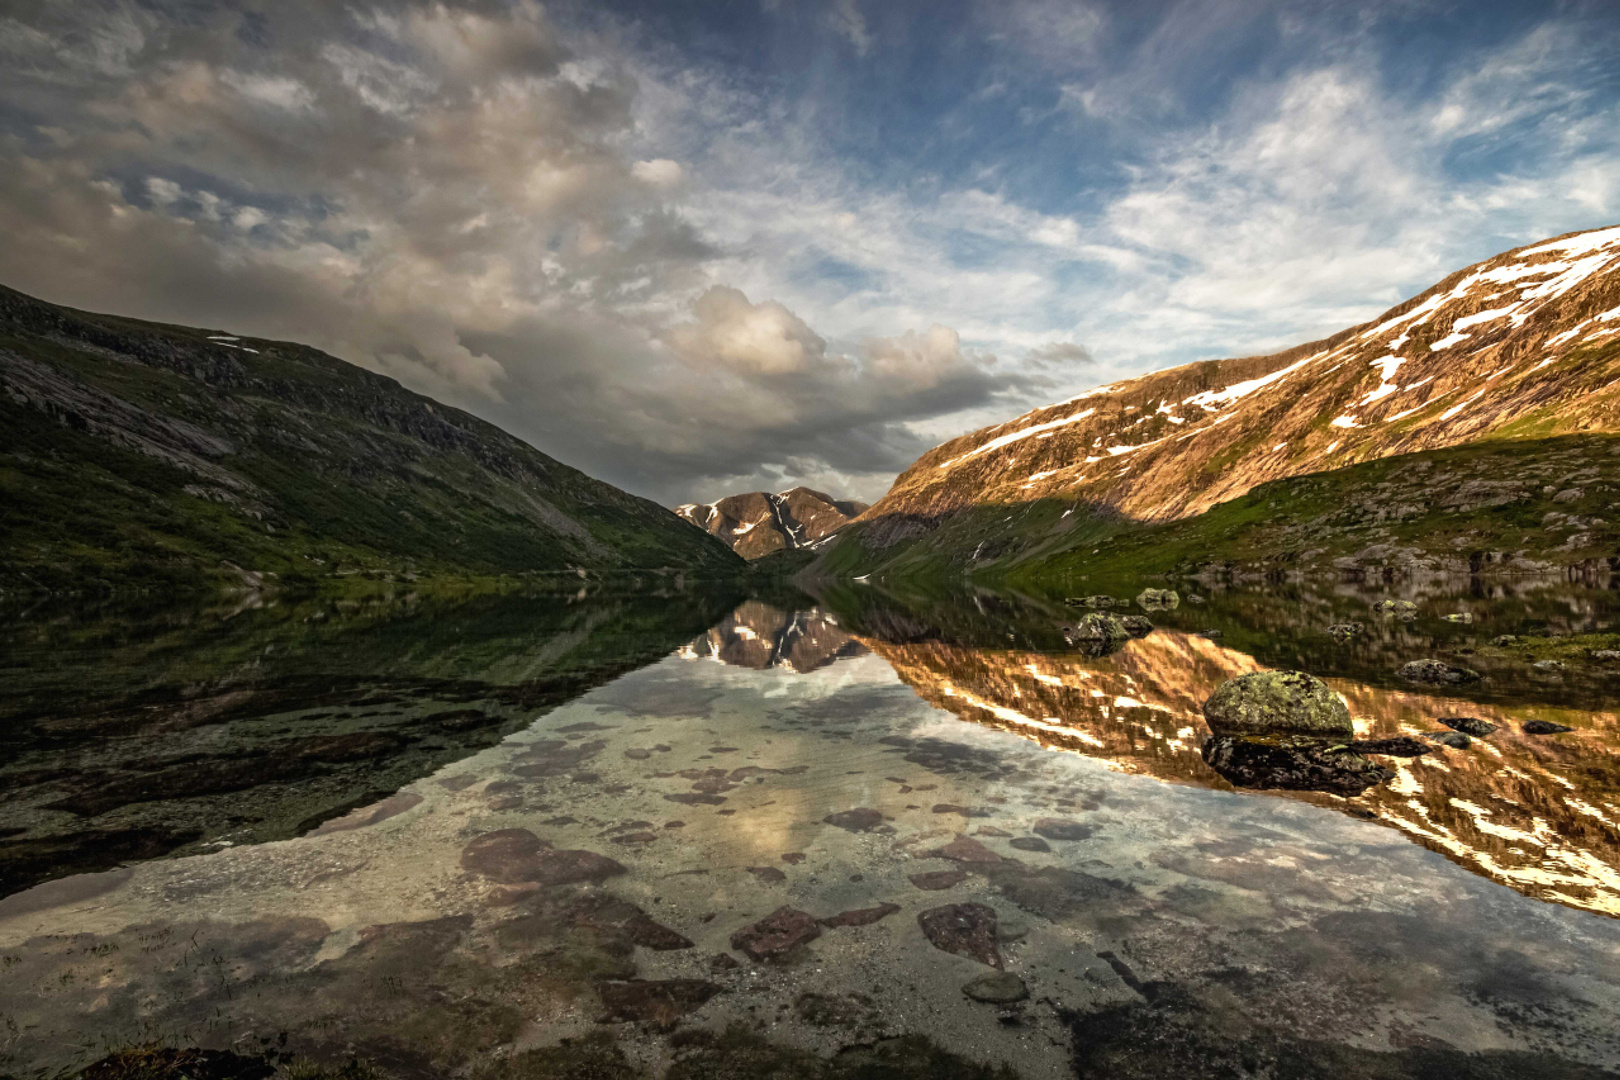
(346, 473)
(1392, 514)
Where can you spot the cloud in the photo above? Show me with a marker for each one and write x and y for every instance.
(1060, 354)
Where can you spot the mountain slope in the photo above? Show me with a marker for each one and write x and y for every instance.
(759, 523)
(137, 454)
(1525, 345)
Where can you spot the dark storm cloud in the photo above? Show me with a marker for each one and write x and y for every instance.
(451, 194)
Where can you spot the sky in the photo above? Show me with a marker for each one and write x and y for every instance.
(697, 248)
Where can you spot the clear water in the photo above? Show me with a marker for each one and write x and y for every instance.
(952, 759)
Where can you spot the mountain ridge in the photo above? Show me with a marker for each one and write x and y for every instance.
(1523, 345)
(164, 456)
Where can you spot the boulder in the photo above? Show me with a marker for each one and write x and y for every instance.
(1278, 702)
(1454, 739)
(1469, 725)
(1098, 635)
(1136, 625)
(1157, 599)
(1292, 765)
(1436, 673)
(1543, 727)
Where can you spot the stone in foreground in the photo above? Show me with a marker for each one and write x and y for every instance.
(964, 930)
(776, 935)
(657, 1001)
(1278, 702)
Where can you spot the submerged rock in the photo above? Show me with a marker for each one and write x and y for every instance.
(1098, 635)
(860, 916)
(1454, 739)
(936, 880)
(1436, 673)
(1281, 702)
(1136, 625)
(964, 849)
(1062, 829)
(1469, 725)
(860, 819)
(1157, 599)
(776, 935)
(1029, 843)
(657, 1001)
(1543, 727)
(1003, 988)
(1292, 766)
(964, 930)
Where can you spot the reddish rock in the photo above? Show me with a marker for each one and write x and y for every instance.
(964, 930)
(506, 856)
(569, 867)
(860, 916)
(965, 849)
(793, 858)
(1062, 829)
(776, 935)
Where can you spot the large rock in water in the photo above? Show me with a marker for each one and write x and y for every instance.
(1158, 599)
(1437, 673)
(1278, 702)
(1097, 634)
(1301, 765)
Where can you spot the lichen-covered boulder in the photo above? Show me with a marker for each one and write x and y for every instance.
(1097, 634)
(1278, 702)
(1157, 599)
(1136, 625)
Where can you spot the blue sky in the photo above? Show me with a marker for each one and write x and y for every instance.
(696, 248)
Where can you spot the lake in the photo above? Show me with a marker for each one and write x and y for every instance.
(861, 834)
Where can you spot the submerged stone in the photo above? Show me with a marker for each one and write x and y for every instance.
(1062, 829)
(777, 935)
(860, 916)
(1543, 727)
(1029, 843)
(1286, 702)
(1003, 988)
(658, 1001)
(936, 880)
(860, 819)
(964, 849)
(964, 930)
(1454, 739)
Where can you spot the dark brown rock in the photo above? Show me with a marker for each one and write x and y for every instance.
(963, 929)
(770, 875)
(861, 916)
(860, 819)
(1029, 843)
(1543, 727)
(777, 935)
(657, 1001)
(965, 849)
(507, 856)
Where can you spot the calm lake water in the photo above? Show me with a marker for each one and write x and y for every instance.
(710, 836)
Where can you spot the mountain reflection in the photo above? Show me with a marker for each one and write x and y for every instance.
(757, 635)
(1535, 813)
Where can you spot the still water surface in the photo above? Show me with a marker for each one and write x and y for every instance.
(445, 836)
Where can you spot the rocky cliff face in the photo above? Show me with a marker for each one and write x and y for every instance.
(1525, 345)
(759, 523)
(151, 454)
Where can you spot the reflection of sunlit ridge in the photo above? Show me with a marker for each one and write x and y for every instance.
(760, 636)
(1535, 813)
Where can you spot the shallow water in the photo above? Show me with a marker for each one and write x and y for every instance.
(988, 800)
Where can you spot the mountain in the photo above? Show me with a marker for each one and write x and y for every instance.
(759, 523)
(1517, 355)
(138, 454)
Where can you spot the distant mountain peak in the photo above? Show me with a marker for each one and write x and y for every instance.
(759, 522)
